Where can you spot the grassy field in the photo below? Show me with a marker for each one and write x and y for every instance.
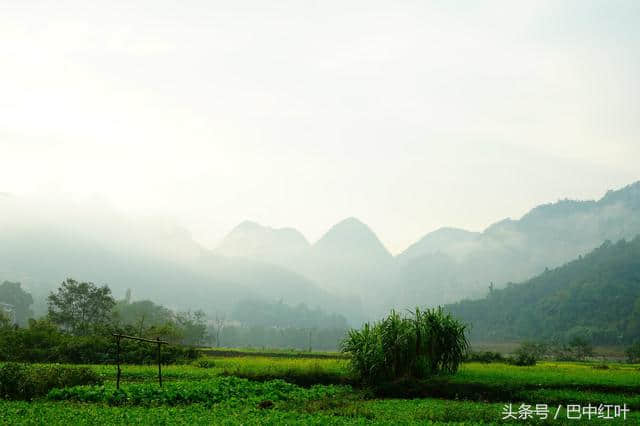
(258, 389)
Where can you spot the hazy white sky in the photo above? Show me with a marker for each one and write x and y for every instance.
(409, 115)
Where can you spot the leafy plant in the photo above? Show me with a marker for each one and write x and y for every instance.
(419, 345)
(209, 392)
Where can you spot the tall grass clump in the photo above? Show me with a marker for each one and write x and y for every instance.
(418, 345)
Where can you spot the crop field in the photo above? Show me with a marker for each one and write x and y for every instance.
(258, 389)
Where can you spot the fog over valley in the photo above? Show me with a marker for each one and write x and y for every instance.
(348, 271)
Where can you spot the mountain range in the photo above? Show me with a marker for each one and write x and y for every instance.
(448, 264)
(348, 270)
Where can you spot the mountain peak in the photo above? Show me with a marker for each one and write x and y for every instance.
(353, 236)
(351, 223)
(248, 225)
(252, 240)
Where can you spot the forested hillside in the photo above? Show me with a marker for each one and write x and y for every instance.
(462, 264)
(596, 296)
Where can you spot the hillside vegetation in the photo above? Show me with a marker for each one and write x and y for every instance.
(596, 297)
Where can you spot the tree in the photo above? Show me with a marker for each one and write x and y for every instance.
(80, 307)
(141, 314)
(193, 326)
(21, 301)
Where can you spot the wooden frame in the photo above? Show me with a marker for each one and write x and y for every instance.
(140, 339)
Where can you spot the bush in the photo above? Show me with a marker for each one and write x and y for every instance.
(522, 358)
(421, 345)
(205, 363)
(529, 353)
(633, 353)
(25, 381)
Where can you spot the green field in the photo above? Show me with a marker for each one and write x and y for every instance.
(258, 389)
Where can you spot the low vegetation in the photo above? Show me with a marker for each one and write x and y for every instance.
(208, 392)
(27, 381)
(191, 394)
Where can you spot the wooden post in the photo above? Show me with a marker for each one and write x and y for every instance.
(159, 361)
(118, 362)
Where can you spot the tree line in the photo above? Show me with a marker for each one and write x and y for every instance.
(82, 309)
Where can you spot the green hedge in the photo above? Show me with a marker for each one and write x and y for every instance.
(27, 381)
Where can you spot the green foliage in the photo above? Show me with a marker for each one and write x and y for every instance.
(141, 314)
(146, 319)
(193, 327)
(21, 301)
(25, 381)
(522, 357)
(80, 308)
(214, 391)
(476, 394)
(42, 341)
(421, 345)
(596, 296)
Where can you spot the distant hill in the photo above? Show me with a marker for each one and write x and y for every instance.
(348, 260)
(596, 296)
(348, 270)
(44, 243)
(451, 240)
(449, 265)
(254, 241)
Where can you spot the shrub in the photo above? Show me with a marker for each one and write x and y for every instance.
(25, 381)
(205, 363)
(422, 344)
(522, 358)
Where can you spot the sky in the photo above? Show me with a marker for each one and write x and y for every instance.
(410, 115)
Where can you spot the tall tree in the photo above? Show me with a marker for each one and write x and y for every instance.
(80, 307)
(20, 301)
